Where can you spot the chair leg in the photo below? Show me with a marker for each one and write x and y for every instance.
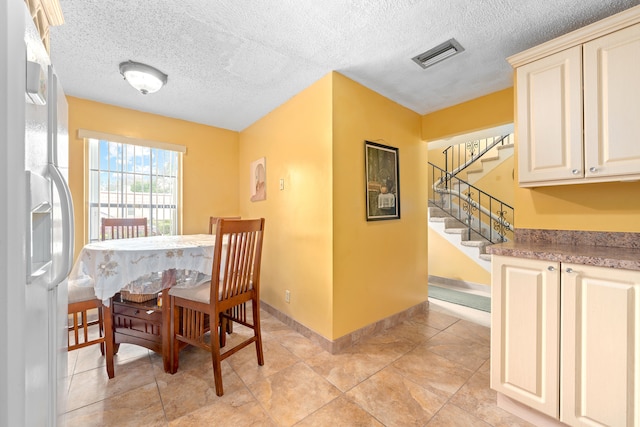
(101, 327)
(229, 324)
(216, 360)
(257, 332)
(224, 328)
(174, 329)
(108, 338)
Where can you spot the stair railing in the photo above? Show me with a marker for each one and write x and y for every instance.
(482, 213)
(458, 157)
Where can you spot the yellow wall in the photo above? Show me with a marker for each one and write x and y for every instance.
(296, 141)
(342, 271)
(210, 163)
(446, 260)
(499, 182)
(485, 112)
(588, 207)
(380, 267)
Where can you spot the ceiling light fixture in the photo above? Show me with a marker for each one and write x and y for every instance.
(441, 52)
(143, 77)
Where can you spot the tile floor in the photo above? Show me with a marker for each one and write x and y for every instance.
(432, 370)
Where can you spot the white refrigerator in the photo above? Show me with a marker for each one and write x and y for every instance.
(36, 227)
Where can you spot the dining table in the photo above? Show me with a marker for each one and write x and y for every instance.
(143, 267)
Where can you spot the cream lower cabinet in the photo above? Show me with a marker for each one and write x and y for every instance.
(600, 346)
(525, 332)
(565, 340)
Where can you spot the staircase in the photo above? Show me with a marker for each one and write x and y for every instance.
(462, 213)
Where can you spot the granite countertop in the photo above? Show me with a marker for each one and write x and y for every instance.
(547, 249)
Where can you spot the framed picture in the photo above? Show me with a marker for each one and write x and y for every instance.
(259, 180)
(382, 180)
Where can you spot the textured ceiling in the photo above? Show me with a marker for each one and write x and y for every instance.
(230, 62)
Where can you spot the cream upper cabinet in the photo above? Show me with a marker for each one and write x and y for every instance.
(600, 332)
(549, 122)
(578, 104)
(525, 327)
(565, 340)
(612, 104)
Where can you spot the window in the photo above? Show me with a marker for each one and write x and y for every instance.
(128, 180)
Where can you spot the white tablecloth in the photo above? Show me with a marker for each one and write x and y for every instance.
(137, 264)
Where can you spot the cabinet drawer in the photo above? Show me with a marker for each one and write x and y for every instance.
(147, 314)
(138, 323)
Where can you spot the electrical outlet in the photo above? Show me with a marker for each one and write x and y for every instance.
(287, 296)
(281, 184)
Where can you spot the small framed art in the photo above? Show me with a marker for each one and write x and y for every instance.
(382, 181)
(259, 180)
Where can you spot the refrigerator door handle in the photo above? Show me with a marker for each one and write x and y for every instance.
(66, 205)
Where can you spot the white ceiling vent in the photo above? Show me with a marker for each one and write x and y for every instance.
(442, 51)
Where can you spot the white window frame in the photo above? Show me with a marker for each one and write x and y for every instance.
(138, 144)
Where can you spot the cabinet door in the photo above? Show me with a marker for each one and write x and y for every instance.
(600, 365)
(525, 297)
(549, 114)
(612, 104)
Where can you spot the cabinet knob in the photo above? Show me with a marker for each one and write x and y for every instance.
(569, 270)
(593, 170)
(551, 268)
(575, 171)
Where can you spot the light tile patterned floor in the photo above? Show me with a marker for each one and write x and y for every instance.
(432, 370)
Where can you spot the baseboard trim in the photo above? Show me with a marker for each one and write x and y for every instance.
(346, 341)
(458, 283)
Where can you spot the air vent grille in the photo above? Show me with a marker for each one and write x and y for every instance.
(439, 53)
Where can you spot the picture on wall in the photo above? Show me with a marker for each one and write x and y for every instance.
(383, 181)
(258, 180)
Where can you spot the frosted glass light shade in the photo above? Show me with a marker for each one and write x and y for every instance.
(142, 77)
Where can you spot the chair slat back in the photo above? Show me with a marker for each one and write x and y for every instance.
(236, 261)
(123, 228)
(213, 222)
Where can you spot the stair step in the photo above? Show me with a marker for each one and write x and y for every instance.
(475, 243)
(454, 230)
(505, 147)
(436, 213)
(438, 218)
(489, 159)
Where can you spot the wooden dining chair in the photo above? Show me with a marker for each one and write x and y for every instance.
(236, 281)
(213, 222)
(82, 299)
(123, 228)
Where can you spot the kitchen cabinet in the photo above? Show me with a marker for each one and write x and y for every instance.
(525, 331)
(578, 100)
(600, 357)
(565, 340)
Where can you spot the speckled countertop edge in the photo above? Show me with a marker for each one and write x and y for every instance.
(601, 256)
